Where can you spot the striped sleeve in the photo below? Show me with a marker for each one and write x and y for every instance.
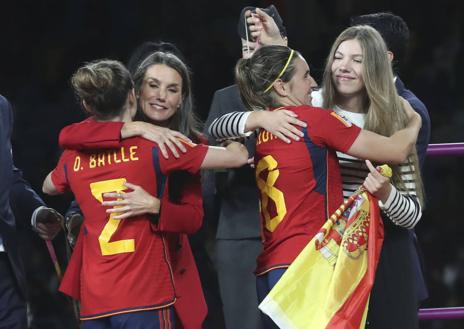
(403, 207)
(229, 125)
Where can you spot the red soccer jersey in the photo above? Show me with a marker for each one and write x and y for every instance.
(124, 262)
(299, 183)
(184, 216)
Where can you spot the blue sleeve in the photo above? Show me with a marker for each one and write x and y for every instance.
(16, 194)
(6, 162)
(23, 199)
(423, 138)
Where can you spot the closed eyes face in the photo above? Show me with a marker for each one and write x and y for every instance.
(161, 93)
(302, 83)
(347, 68)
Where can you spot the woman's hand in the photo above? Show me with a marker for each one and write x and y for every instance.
(264, 29)
(47, 222)
(137, 202)
(281, 123)
(377, 184)
(160, 135)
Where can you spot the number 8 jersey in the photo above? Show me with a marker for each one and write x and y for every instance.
(124, 262)
(299, 183)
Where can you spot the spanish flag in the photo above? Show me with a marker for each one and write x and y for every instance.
(328, 284)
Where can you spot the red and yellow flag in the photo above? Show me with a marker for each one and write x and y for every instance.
(328, 284)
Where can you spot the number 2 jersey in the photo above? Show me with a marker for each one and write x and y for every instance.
(299, 183)
(125, 266)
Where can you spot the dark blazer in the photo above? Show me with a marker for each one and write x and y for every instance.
(6, 163)
(424, 133)
(15, 193)
(239, 205)
(421, 146)
(7, 220)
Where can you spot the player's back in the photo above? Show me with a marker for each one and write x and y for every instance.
(299, 184)
(124, 261)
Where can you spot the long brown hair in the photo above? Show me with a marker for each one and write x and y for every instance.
(257, 73)
(184, 120)
(384, 111)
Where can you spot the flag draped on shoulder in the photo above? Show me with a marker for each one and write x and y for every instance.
(328, 284)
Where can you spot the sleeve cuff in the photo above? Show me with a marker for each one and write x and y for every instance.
(242, 123)
(390, 199)
(34, 216)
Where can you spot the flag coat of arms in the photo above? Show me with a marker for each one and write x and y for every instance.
(328, 284)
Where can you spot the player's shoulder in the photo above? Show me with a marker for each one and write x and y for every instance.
(309, 111)
(69, 156)
(139, 145)
(314, 114)
(137, 140)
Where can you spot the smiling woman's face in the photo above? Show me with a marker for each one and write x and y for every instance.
(161, 93)
(347, 68)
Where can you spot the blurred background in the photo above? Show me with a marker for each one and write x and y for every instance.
(43, 42)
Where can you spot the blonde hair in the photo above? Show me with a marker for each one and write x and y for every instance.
(383, 107)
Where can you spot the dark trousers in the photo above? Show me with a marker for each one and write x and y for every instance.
(236, 261)
(264, 284)
(393, 301)
(12, 303)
